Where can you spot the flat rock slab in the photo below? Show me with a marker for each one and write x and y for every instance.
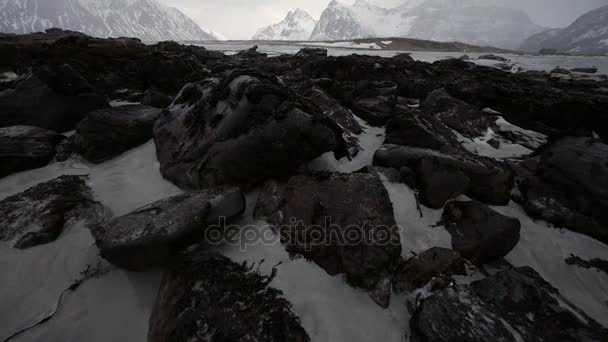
(26, 147)
(149, 236)
(41, 213)
(344, 223)
(206, 298)
(512, 305)
(479, 233)
(106, 133)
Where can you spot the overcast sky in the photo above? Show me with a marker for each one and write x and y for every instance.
(239, 19)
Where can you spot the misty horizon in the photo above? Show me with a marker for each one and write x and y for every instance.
(221, 16)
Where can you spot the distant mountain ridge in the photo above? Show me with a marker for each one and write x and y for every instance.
(468, 21)
(148, 20)
(587, 35)
(297, 25)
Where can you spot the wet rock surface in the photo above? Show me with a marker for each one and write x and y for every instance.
(343, 223)
(106, 133)
(479, 233)
(149, 236)
(41, 213)
(240, 129)
(416, 272)
(512, 305)
(566, 183)
(26, 147)
(210, 298)
(54, 97)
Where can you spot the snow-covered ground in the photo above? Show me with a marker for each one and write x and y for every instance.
(115, 305)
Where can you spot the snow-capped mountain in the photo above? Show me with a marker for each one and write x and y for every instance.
(587, 35)
(145, 19)
(468, 21)
(297, 25)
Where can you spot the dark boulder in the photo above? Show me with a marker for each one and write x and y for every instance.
(344, 223)
(41, 213)
(241, 129)
(416, 272)
(490, 182)
(375, 110)
(106, 133)
(512, 305)
(55, 98)
(592, 70)
(149, 236)
(418, 131)
(403, 57)
(26, 147)
(156, 99)
(479, 233)
(493, 57)
(567, 185)
(456, 114)
(560, 71)
(311, 52)
(210, 298)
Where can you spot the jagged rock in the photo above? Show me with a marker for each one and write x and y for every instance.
(156, 99)
(210, 298)
(512, 305)
(375, 110)
(417, 131)
(489, 181)
(55, 98)
(149, 236)
(479, 233)
(567, 185)
(597, 263)
(456, 114)
(241, 129)
(26, 147)
(41, 213)
(252, 52)
(344, 223)
(417, 271)
(311, 52)
(106, 133)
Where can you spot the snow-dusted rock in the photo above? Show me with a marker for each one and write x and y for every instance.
(587, 35)
(242, 129)
(343, 223)
(41, 213)
(149, 236)
(26, 147)
(479, 233)
(106, 133)
(512, 305)
(210, 298)
(55, 97)
(297, 25)
(148, 20)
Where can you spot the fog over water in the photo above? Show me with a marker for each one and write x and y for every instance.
(239, 19)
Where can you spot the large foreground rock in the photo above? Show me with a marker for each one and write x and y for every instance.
(26, 147)
(512, 305)
(567, 185)
(440, 176)
(106, 133)
(344, 223)
(149, 236)
(41, 213)
(205, 298)
(241, 129)
(55, 98)
(479, 233)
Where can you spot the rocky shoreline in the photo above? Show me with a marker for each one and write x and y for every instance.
(467, 139)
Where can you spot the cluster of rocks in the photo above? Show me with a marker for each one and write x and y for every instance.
(223, 125)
